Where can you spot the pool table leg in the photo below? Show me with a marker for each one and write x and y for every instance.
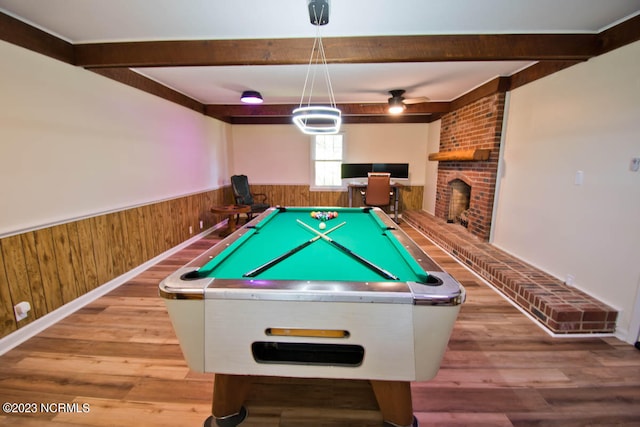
(229, 393)
(394, 400)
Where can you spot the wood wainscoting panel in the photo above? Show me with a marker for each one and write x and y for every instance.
(33, 272)
(16, 273)
(411, 197)
(328, 198)
(116, 242)
(52, 266)
(162, 214)
(152, 231)
(101, 250)
(134, 237)
(302, 195)
(48, 269)
(7, 319)
(87, 253)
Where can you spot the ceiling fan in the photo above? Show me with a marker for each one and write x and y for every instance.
(398, 103)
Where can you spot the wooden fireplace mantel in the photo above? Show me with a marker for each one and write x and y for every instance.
(469, 155)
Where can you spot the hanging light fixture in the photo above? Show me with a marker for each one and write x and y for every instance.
(317, 119)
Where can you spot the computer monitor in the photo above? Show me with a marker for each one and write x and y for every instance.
(355, 170)
(397, 170)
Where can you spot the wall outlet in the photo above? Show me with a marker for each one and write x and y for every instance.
(634, 166)
(21, 310)
(201, 225)
(190, 229)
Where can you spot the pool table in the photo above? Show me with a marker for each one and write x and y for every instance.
(285, 296)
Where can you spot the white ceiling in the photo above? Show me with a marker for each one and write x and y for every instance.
(89, 21)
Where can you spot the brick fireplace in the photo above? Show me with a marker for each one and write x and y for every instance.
(467, 171)
(465, 132)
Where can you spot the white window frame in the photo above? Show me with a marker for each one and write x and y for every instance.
(312, 177)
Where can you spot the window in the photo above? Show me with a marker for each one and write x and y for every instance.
(326, 156)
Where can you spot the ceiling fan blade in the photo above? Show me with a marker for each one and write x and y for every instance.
(417, 100)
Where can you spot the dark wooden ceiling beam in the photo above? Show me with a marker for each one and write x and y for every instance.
(553, 51)
(620, 35)
(615, 37)
(382, 108)
(538, 71)
(499, 84)
(467, 47)
(383, 49)
(250, 110)
(138, 81)
(21, 34)
(280, 120)
(235, 110)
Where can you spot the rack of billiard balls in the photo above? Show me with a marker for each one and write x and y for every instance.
(323, 216)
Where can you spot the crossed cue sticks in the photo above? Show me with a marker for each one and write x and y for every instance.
(287, 254)
(384, 273)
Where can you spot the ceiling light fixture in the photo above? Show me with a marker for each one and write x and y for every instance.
(396, 106)
(396, 102)
(251, 97)
(317, 119)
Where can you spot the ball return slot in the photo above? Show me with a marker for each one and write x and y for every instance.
(307, 353)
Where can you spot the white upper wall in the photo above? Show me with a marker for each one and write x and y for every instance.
(585, 118)
(270, 154)
(389, 143)
(431, 169)
(74, 143)
(280, 154)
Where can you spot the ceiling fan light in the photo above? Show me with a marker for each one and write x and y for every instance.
(251, 97)
(396, 106)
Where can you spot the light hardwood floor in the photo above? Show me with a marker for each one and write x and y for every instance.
(120, 357)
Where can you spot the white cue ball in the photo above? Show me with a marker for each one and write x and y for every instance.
(322, 226)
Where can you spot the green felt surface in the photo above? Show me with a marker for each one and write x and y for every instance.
(363, 233)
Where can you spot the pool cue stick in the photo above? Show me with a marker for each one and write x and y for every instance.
(384, 273)
(287, 254)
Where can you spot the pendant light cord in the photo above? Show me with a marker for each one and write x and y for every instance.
(320, 56)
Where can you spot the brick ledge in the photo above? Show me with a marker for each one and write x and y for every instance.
(562, 309)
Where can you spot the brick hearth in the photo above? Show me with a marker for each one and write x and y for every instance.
(560, 308)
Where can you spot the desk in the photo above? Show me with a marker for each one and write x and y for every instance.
(231, 211)
(395, 188)
(319, 313)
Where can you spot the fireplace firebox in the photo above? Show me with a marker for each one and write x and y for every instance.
(459, 199)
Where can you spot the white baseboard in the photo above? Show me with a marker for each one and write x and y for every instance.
(24, 333)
